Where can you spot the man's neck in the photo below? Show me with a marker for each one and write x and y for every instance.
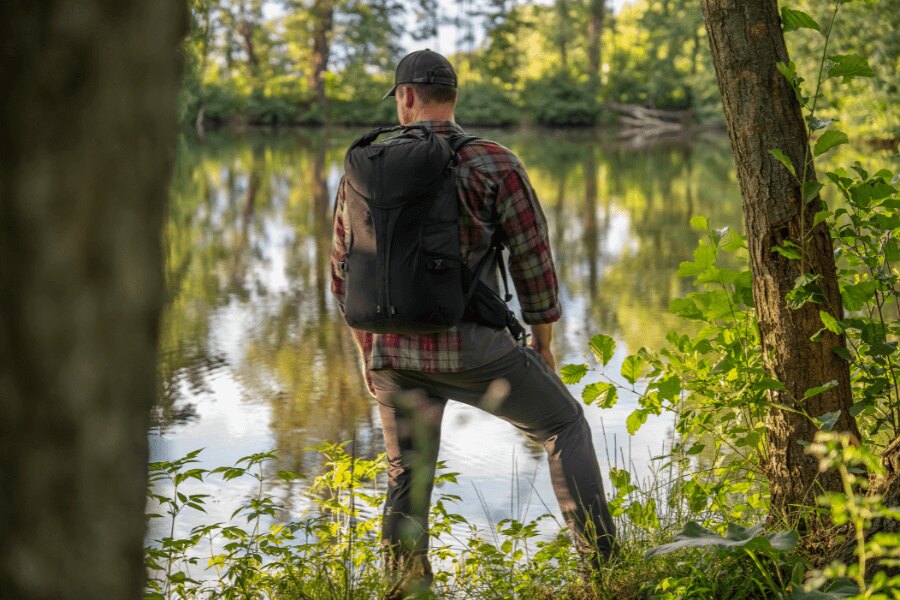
(433, 113)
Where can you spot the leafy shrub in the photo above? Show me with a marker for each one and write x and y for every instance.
(560, 100)
(485, 104)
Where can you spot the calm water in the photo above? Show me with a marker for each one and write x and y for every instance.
(255, 355)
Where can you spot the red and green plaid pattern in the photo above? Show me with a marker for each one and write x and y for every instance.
(494, 193)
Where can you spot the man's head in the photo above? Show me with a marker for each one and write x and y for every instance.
(424, 87)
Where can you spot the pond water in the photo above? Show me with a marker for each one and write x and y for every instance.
(255, 355)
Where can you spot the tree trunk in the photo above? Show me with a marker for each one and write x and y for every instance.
(595, 33)
(323, 22)
(762, 113)
(88, 138)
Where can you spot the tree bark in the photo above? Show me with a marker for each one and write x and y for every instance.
(323, 22)
(88, 138)
(761, 114)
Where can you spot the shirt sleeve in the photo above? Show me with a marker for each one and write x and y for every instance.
(338, 247)
(526, 235)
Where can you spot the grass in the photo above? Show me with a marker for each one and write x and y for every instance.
(332, 552)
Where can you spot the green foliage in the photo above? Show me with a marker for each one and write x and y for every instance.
(486, 104)
(858, 510)
(560, 100)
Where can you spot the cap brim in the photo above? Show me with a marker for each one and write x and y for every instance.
(390, 93)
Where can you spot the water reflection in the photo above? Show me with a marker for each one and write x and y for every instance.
(254, 354)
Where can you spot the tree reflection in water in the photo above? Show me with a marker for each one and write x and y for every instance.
(248, 241)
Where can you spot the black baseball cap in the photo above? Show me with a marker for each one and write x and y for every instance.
(423, 66)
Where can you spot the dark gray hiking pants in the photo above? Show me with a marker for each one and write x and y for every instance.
(538, 403)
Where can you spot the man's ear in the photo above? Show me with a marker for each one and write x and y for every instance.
(409, 96)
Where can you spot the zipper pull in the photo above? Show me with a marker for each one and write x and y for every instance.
(378, 310)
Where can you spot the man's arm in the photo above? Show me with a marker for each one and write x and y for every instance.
(530, 260)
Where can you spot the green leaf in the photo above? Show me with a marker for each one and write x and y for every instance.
(821, 216)
(695, 536)
(843, 353)
(632, 367)
(827, 421)
(787, 252)
(669, 387)
(816, 124)
(810, 190)
(605, 394)
(849, 66)
(572, 374)
(829, 140)
(767, 383)
(634, 421)
(830, 323)
(700, 222)
(783, 159)
(603, 348)
(791, 20)
(857, 295)
(815, 391)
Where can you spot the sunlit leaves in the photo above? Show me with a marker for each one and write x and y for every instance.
(791, 20)
(632, 367)
(572, 374)
(603, 393)
(603, 347)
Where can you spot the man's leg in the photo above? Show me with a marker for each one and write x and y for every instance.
(411, 422)
(538, 403)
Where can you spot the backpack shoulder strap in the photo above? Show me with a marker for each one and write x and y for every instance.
(458, 140)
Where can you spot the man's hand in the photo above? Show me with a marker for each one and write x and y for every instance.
(541, 335)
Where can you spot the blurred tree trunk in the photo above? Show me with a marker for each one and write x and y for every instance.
(762, 113)
(323, 23)
(88, 137)
(595, 33)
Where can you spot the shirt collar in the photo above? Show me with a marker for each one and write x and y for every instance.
(441, 127)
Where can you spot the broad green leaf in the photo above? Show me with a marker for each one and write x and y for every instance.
(603, 348)
(810, 190)
(685, 307)
(635, 420)
(827, 421)
(787, 252)
(669, 387)
(791, 20)
(849, 66)
(783, 159)
(603, 393)
(695, 536)
(830, 323)
(632, 367)
(697, 448)
(856, 295)
(571, 374)
(767, 383)
(700, 222)
(829, 140)
(815, 391)
(821, 216)
(843, 353)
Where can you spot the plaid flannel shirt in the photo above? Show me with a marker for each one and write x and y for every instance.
(495, 195)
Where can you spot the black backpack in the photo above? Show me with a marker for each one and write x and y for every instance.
(403, 269)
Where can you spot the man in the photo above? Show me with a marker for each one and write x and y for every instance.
(412, 377)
